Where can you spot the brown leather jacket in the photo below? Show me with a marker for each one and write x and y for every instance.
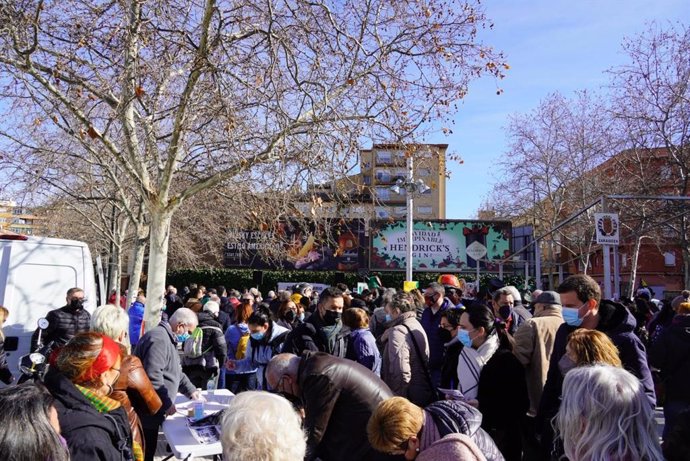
(136, 394)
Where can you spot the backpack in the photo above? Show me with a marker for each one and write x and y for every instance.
(193, 345)
(242, 346)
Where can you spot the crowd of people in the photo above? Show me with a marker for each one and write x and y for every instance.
(384, 374)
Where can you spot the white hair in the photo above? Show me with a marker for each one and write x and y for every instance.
(183, 315)
(212, 307)
(605, 416)
(517, 297)
(262, 426)
(112, 321)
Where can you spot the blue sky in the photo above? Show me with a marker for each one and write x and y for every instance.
(551, 46)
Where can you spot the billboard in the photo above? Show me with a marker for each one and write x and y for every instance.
(324, 244)
(446, 245)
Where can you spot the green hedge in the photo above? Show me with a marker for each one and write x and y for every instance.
(242, 278)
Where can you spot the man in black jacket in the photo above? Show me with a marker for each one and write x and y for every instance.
(323, 330)
(64, 323)
(339, 396)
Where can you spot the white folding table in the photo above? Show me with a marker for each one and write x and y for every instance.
(177, 433)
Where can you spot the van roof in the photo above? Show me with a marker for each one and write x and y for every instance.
(12, 236)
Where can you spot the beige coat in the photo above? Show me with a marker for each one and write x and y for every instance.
(401, 367)
(534, 341)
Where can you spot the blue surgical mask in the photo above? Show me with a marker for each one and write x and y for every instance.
(183, 337)
(259, 335)
(301, 317)
(571, 316)
(464, 338)
(388, 318)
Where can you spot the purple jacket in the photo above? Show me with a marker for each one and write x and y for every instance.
(362, 349)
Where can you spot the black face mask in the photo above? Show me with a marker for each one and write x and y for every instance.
(444, 335)
(76, 304)
(290, 316)
(330, 318)
(505, 311)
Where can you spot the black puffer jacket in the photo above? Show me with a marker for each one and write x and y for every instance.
(456, 417)
(339, 396)
(671, 354)
(213, 340)
(90, 435)
(63, 325)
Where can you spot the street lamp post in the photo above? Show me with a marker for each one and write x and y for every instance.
(411, 188)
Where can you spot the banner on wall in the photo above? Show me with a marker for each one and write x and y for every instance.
(325, 244)
(446, 245)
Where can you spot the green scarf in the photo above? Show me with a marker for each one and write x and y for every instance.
(105, 404)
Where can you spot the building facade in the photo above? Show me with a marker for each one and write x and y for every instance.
(15, 218)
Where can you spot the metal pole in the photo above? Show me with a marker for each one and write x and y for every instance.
(477, 281)
(607, 259)
(500, 271)
(537, 265)
(526, 274)
(616, 273)
(410, 222)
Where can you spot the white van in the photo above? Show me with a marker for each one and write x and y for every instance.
(35, 274)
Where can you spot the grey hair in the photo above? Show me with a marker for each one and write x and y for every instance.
(282, 364)
(438, 288)
(517, 297)
(503, 291)
(112, 321)
(183, 315)
(605, 416)
(387, 296)
(261, 425)
(403, 302)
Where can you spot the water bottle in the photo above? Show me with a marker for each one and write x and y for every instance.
(198, 408)
(211, 386)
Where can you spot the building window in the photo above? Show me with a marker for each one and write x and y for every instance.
(400, 211)
(424, 172)
(383, 193)
(424, 209)
(624, 260)
(366, 179)
(384, 156)
(382, 213)
(383, 176)
(669, 259)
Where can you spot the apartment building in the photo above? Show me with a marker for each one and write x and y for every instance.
(15, 218)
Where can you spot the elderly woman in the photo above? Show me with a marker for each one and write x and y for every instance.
(405, 356)
(605, 415)
(30, 426)
(133, 385)
(95, 425)
(399, 427)
(260, 425)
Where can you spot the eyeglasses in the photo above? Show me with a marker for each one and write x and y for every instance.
(447, 326)
(429, 296)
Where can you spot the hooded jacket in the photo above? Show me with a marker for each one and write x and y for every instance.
(457, 417)
(63, 325)
(671, 354)
(90, 435)
(453, 447)
(260, 352)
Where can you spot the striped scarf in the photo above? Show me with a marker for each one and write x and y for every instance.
(105, 404)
